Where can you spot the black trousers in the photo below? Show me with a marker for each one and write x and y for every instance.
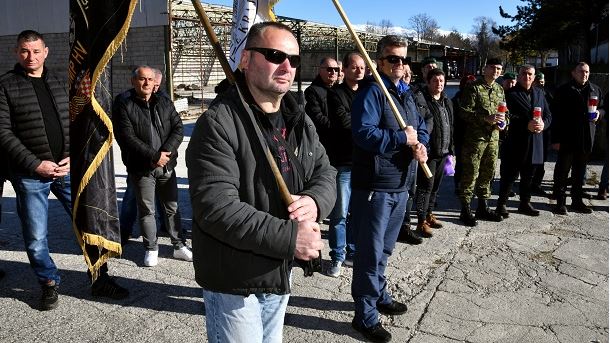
(427, 188)
(567, 160)
(509, 172)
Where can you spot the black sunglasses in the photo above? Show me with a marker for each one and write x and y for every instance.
(332, 69)
(394, 59)
(277, 57)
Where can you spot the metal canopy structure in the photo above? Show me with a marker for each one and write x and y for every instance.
(193, 59)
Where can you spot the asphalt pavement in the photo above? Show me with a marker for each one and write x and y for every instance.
(542, 279)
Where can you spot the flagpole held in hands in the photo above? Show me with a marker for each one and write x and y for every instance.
(369, 63)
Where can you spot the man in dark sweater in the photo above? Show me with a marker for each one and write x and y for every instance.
(340, 98)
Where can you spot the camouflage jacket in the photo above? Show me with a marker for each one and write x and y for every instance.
(478, 101)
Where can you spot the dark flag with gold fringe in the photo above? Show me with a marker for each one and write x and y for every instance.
(97, 29)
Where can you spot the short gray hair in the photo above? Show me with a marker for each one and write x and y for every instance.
(389, 40)
(134, 72)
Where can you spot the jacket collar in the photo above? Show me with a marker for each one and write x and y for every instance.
(18, 69)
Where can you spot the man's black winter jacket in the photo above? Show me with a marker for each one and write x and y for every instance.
(23, 137)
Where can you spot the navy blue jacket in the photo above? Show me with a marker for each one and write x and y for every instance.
(381, 157)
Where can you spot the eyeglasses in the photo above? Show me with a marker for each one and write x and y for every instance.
(332, 69)
(278, 57)
(394, 59)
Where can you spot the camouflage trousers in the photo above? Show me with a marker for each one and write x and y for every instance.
(479, 156)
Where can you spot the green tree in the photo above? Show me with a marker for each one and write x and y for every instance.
(543, 25)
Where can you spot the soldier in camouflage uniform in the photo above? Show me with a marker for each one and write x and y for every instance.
(478, 109)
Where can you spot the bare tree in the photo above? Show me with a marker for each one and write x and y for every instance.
(385, 26)
(424, 26)
(371, 27)
(486, 43)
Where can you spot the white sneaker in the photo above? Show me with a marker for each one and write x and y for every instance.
(183, 253)
(334, 270)
(151, 258)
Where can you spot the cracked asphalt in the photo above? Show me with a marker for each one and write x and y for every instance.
(525, 279)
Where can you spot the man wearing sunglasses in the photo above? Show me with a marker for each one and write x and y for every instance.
(244, 237)
(380, 169)
(316, 97)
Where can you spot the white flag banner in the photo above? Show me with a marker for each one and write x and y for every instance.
(245, 14)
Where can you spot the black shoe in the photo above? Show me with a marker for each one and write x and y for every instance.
(527, 209)
(537, 190)
(586, 195)
(105, 286)
(375, 333)
(49, 299)
(406, 235)
(502, 211)
(560, 209)
(486, 213)
(580, 207)
(392, 309)
(467, 218)
(512, 194)
(602, 194)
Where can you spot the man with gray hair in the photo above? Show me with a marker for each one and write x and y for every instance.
(149, 131)
(382, 155)
(525, 139)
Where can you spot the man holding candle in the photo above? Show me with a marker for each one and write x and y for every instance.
(572, 135)
(530, 115)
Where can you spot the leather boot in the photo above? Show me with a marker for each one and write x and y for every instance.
(466, 215)
(433, 221)
(485, 213)
(560, 208)
(423, 229)
(526, 208)
(501, 208)
(579, 207)
(408, 236)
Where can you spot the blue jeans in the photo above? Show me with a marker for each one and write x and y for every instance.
(340, 235)
(377, 217)
(236, 318)
(32, 195)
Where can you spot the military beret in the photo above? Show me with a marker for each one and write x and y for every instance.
(509, 76)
